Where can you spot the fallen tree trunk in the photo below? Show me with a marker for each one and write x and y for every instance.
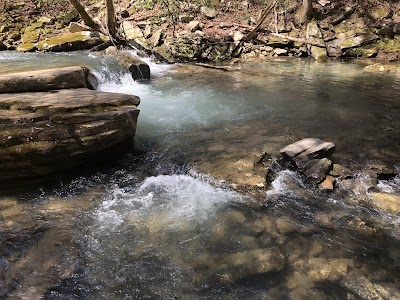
(138, 68)
(47, 80)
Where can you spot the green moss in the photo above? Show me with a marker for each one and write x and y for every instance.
(387, 45)
(65, 39)
(27, 47)
(30, 37)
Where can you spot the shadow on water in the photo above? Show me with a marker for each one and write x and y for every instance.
(153, 226)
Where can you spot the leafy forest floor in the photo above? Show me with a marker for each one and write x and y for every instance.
(224, 21)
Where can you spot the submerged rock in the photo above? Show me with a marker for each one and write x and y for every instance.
(386, 201)
(230, 267)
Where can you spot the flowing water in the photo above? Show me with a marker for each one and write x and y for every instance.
(164, 223)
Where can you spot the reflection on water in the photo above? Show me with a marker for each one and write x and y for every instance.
(150, 227)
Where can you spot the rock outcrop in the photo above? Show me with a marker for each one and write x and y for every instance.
(46, 132)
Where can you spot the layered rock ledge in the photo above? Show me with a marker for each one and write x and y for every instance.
(46, 132)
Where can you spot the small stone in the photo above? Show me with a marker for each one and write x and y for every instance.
(328, 184)
(193, 26)
(358, 40)
(46, 20)
(280, 51)
(360, 286)
(234, 266)
(224, 25)
(29, 37)
(208, 12)
(238, 36)
(383, 172)
(319, 53)
(285, 226)
(375, 68)
(324, 2)
(76, 27)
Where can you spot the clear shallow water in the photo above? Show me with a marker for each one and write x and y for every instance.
(149, 227)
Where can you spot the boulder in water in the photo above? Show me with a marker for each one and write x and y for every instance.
(310, 157)
(138, 68)
(309, 147)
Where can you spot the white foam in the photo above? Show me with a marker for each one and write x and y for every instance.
(283, 183)
(177, 198)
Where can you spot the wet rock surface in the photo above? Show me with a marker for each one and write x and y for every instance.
(310, 157)
(42, 133)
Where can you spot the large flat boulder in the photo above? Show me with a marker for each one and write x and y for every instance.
(46, 132)
(47, 80)
(309, 147)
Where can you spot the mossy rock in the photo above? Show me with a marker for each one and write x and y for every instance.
(27, 47)
(358, 40)
(319, 53)
(71, 41)
(388, 45)
(30, 36)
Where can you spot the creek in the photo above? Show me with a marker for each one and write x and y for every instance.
(163, 221)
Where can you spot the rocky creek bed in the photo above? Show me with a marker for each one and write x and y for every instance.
(166, 221)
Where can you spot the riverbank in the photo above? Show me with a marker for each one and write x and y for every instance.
(219, 31)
